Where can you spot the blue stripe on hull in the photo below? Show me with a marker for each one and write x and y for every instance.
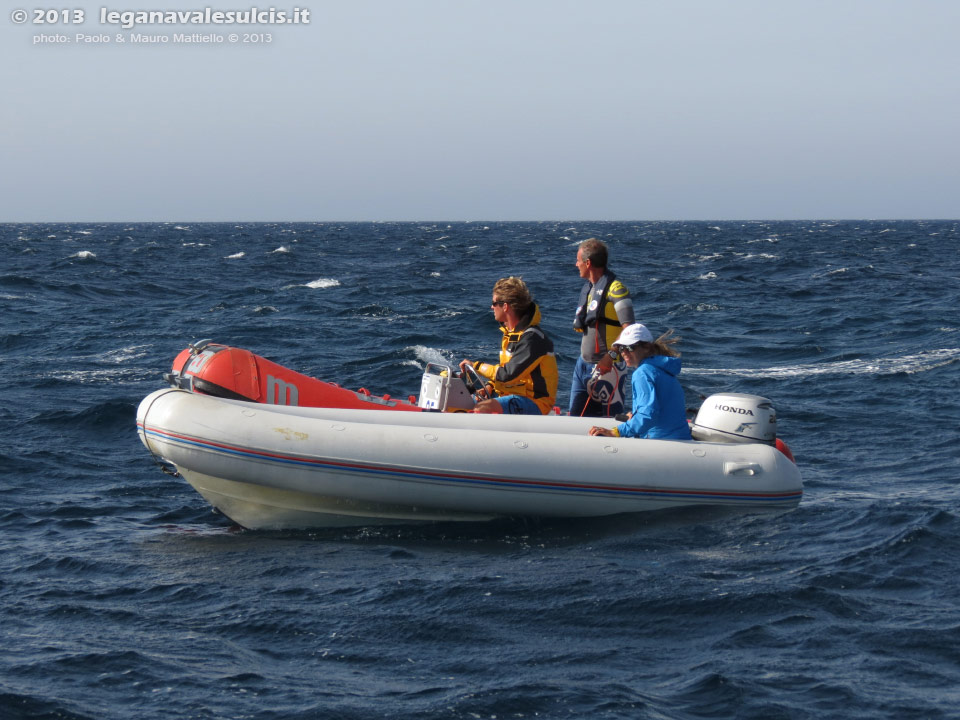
(759, 498)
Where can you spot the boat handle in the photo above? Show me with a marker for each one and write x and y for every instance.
(740, 468)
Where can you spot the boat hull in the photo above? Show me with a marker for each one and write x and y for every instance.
(273, 467)
(260, 507)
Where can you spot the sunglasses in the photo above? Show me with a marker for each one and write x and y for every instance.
(498, 303)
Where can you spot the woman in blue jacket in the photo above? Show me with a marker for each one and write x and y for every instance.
(659, 410)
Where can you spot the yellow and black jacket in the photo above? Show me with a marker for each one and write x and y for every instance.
(528, 366)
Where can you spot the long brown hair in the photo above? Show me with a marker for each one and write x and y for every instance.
(663, 345)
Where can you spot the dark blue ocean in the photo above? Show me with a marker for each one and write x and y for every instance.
(123, 595)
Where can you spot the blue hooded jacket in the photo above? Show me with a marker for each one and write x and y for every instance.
(659, 410)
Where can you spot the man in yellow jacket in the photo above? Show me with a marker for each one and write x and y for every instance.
(526, 378)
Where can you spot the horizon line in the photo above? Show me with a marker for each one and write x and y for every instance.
(488, 220)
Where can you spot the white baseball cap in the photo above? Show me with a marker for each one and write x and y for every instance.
(633, 334)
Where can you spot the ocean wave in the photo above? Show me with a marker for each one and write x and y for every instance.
(753, 256)
(323, 283)
(69, 367)
(319, 284)
(27, 705)
(909, 364)
(124, 354)
(113, 414)
(20, 281)
(425, 354)
(97, 376)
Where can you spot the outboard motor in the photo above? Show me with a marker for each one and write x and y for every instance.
(736, 418)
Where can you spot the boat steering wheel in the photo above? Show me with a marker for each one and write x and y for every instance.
(475, 383)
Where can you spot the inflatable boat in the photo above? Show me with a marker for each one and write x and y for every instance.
(286, 466)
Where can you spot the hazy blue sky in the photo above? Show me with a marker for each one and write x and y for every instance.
(491, 110)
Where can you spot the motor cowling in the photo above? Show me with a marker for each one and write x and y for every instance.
(736, 418)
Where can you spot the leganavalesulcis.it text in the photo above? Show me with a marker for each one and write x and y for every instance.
(128, 19)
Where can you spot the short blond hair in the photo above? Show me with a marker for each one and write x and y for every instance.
(514, 291)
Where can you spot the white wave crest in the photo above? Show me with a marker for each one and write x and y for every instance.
(323, 283)
(100, 377)
(426, 355)
(85, 255)
(281, 249)
(124, 354)
(909, 364)
(753, 256)
(235, 256)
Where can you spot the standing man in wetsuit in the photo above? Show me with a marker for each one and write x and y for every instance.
(604, 309)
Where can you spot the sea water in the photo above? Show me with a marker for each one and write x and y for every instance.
(124, 595)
